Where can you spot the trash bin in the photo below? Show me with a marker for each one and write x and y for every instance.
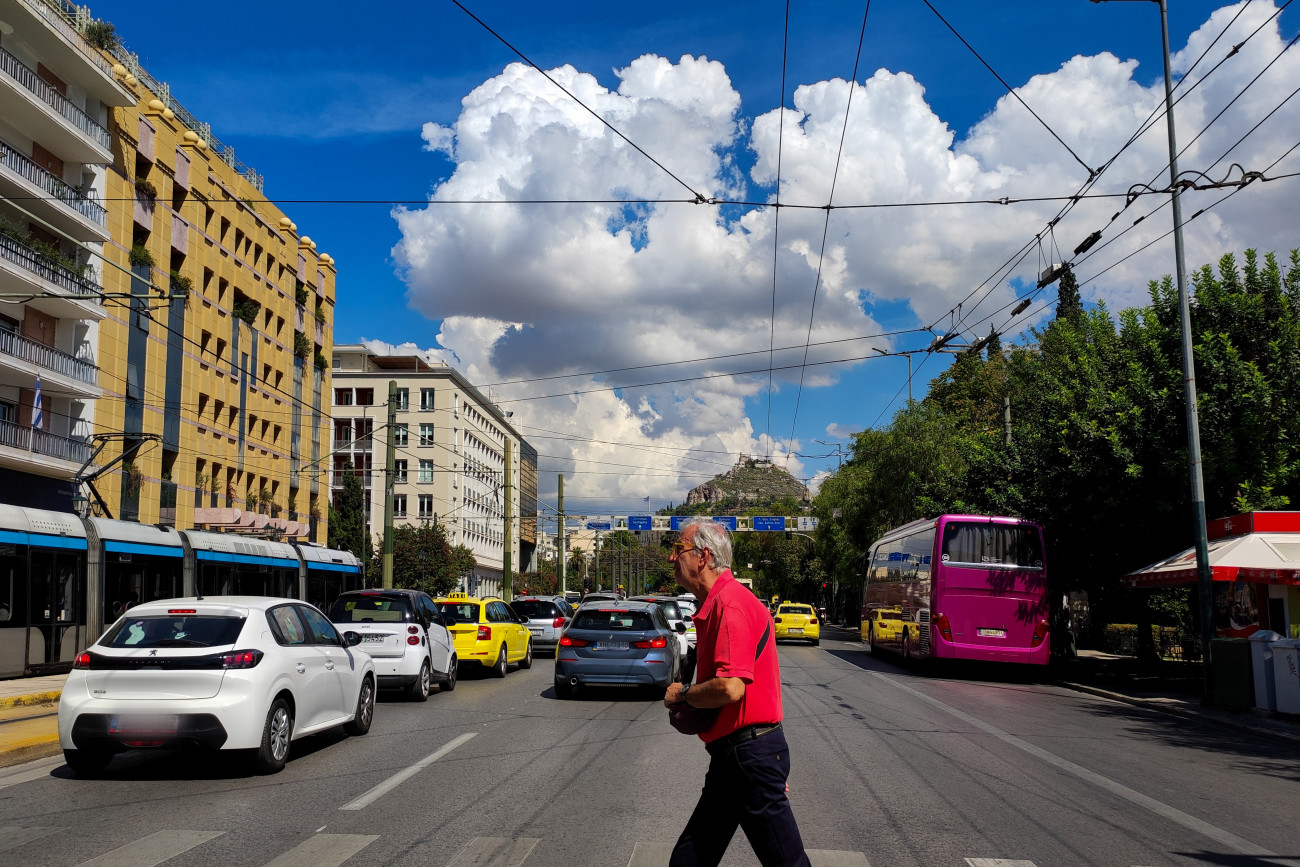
(1234, 687)
(1286, 674)
(1261, 665)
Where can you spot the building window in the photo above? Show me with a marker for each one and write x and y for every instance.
(399, 435)
(399, 471)
(343, 397)
(365, 397)
(403, 399)
(426, 505)
(426, 398)
(426, 434)
(426, 471)
(399, 505)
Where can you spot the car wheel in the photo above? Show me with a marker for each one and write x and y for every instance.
(871, 637)
(419, 691)
(499, 667)
(86, 762)
(360, 724)
(527, 661)
(816, 642)
(563, 691)
(907, 648)
(276, 734)
(449, 682)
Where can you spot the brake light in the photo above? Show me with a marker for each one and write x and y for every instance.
(414, 630)
(558, 622)
(1040, 633)
(945, 628)
(413, 640)
(485, 633)
(776, 619)
(654, 642)
(241, 659)
(182, 611)
(812, 619)
(566, 641)
(82, 661)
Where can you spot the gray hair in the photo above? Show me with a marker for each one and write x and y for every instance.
(714, 536)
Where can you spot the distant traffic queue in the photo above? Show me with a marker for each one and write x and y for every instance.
(64, 579)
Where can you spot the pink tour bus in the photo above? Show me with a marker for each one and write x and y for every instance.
(959, 587)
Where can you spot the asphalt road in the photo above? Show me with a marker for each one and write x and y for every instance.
(891, 767)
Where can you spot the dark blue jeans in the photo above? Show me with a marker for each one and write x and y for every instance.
(745, 787)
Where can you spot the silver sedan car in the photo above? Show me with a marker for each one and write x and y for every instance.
(546, 615)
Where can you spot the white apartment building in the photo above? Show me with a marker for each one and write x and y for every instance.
(56, 93)
(451, 444)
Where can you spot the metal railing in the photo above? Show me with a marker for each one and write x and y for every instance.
(15, 69)
(65, 278)
(63, 18)
(17, 346)
(58, 188)
(41, 442)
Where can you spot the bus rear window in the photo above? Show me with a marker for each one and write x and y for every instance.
(992, 546)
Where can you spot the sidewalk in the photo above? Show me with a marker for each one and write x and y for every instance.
(29, 726)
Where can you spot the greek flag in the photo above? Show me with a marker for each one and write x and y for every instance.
(38, 416)
(647, 501)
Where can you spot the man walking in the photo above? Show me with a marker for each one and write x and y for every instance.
(738, 673)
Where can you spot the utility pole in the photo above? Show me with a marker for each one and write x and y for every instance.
(389, 470)
(1006, 416)
(559, 538)
(507, 579)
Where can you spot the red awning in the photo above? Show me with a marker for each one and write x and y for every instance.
(1265, 551)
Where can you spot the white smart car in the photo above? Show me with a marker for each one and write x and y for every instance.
(223, 672)
(405, 634)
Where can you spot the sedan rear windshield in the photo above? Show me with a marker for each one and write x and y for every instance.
(180, 630)
(597, 619)
(794, 609)
(370, 609)
(535, 609)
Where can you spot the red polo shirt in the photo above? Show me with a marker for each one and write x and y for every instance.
(728, 627)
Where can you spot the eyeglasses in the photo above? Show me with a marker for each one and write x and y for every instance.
(680, 548)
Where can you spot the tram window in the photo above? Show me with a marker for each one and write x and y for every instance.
(13, 590)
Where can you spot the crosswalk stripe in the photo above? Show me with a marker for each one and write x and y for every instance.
(154, 849)
(363, 801)
(836, 858)
(324, 850)
(997, 862)
(494, 852)
(651, 854)
(12, 836)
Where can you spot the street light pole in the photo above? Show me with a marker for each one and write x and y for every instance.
(1203, 572)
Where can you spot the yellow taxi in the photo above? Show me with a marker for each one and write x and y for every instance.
(487, 632)
(795, 622)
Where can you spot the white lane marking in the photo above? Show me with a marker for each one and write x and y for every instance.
(324, 850)
(400, 777)
(651, 854)
(154, 849)
(1219, 835)
(836, 858)
(28, 772)
(494, 852)
(997, 862)
(11, 836)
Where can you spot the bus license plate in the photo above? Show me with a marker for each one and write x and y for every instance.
(143, 725)
(611, 645)
(992, 633)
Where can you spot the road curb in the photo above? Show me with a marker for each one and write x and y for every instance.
(31, 699)
(1183, 712)
(29, 749)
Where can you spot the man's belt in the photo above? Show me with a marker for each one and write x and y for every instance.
(740, 736)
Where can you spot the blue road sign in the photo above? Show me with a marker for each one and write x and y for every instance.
(639, 522)
(768, 524)
(728, 521)
(598, 525)
(676, 521)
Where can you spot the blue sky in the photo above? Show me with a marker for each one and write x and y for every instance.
(335, 106)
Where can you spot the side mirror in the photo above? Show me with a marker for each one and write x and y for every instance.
(351, 639)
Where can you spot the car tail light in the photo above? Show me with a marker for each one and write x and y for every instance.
(812, 620)
(566, 641)
(944, 627)
(559, 621)
(414, 630)
(82, 661)
(241, 659)
(654, 642)
(776, 619)
(413, 640)
(1040, 633)
(485, 633)
(182, 611)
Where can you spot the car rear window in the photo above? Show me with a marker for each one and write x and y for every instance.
(612, 619)
(535, 609)
(794, 609)
(464, 612)
(370, 609)
(181, 630)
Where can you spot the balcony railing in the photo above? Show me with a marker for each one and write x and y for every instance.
(65, 278)
(15, 69)
(17, 436)
(63, 19)
(55, 186)
(17, 346)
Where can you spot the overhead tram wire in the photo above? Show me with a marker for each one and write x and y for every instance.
(826, 223)
(776, 225)
(699, 197)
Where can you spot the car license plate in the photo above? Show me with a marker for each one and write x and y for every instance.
(143, 725)
(992, 633)
(372, 639)
(792, 631)
(535, 631)
(611, 645)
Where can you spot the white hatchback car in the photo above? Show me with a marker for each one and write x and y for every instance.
(222, 672)
(405, 634)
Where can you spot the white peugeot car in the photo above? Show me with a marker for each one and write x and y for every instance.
(405, 633)
(222, 672)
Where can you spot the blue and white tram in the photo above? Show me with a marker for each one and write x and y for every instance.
(63, 579)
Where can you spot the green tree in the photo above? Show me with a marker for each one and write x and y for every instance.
(424, 560)
(1068, 302)
(347, 521)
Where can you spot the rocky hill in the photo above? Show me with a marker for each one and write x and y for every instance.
(750, 482)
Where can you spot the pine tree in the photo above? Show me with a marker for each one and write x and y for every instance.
(1068, 303)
